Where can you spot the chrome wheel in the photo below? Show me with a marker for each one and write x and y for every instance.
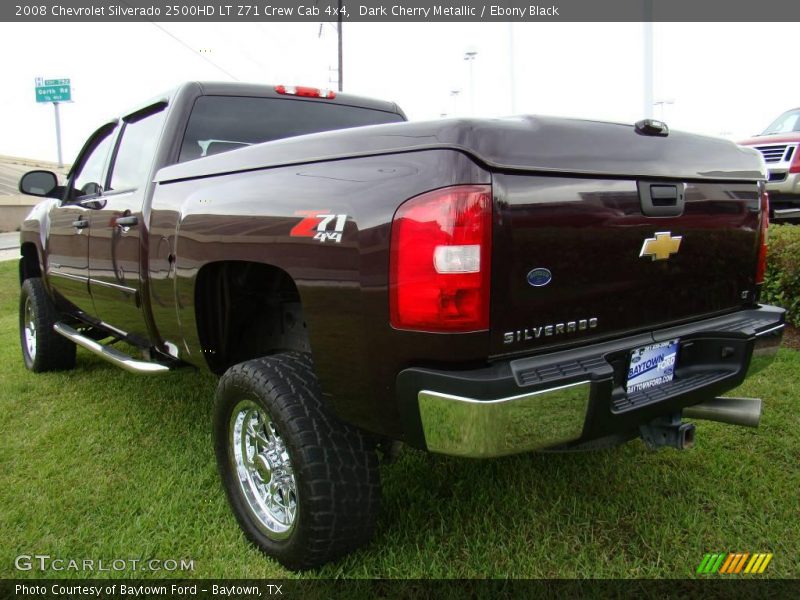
(304, 486)
(264, 469)
(30, 329)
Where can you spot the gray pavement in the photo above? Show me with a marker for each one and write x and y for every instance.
(9, 254)
(13, 205)
(9, 240)
(10, 172)
(12, 168)
(9, 246)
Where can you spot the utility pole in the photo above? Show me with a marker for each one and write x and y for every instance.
(341, 59)
(340, 53)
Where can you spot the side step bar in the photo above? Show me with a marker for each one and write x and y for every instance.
(112, 355)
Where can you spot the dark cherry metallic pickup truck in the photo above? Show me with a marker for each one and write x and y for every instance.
(468, 287)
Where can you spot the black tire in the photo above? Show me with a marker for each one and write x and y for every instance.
(334, 465)
(49, 351)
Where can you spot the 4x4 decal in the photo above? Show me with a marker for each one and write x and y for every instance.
(320, 225)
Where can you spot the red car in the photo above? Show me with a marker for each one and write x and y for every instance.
(778, 145)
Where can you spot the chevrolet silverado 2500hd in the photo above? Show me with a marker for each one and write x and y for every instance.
(467, 287)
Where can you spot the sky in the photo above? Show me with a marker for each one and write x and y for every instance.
(718, 77)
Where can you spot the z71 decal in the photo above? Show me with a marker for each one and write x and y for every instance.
(320, 225)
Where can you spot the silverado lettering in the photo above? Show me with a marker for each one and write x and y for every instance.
(307, 223)
(533, 333)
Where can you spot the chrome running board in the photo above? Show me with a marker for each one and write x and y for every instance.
(110, 354)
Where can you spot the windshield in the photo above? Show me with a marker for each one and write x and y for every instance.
(788, 122)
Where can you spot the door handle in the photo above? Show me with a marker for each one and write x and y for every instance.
(80, 224)
(93, 203)
(128, 221)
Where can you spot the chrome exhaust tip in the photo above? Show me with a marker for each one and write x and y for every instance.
(733, 411)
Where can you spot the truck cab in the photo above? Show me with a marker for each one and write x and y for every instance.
(96, 255)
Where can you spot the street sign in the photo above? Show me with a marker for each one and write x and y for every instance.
(53, 90)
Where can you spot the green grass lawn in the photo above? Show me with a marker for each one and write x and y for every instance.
(99, 463)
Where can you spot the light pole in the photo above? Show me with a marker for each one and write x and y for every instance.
(661, 104)
(511, 68)
(454, 95)
(469, 56)
(647, 96)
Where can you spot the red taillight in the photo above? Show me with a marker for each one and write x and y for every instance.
(304, 91)
(439, 271)
(762, 239)
(795, 166)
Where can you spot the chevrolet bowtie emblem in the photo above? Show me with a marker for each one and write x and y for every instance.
(661, 247)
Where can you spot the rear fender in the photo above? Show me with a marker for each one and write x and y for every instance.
(275, 217)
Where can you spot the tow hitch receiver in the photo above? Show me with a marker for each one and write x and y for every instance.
(668, 431)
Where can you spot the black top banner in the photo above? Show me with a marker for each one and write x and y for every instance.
(400, 10)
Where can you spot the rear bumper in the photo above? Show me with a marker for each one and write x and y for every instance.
(576, 396)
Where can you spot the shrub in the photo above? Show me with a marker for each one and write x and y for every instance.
(782, 281)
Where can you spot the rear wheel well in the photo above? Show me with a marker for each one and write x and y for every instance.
(247, 310)
(29, 263)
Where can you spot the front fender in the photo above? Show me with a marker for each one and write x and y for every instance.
(33, 233)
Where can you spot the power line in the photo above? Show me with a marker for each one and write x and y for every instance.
(243, 51)
(188, 47)
(193, 51)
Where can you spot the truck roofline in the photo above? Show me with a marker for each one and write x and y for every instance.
(224, 88)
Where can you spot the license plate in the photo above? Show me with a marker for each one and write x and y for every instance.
(652, 365)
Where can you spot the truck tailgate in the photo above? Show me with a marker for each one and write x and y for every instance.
(571, 261)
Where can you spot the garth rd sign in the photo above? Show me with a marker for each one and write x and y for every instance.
(53, 90)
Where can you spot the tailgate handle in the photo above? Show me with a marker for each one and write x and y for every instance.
(664, 195)
(661, 199)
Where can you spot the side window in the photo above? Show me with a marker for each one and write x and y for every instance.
(135, 152)
(89, 180)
